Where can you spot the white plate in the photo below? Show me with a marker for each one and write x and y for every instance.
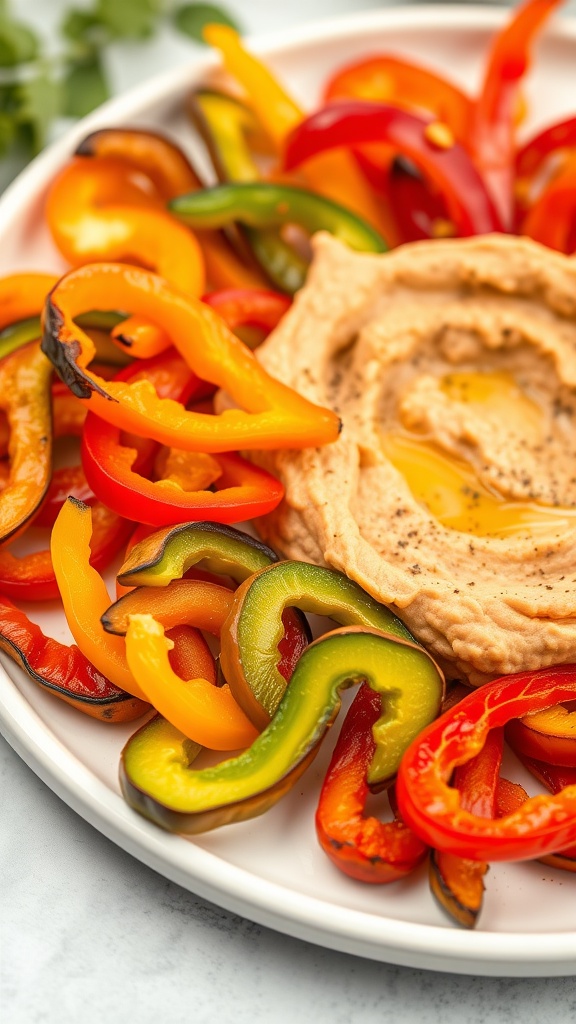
(271, 869)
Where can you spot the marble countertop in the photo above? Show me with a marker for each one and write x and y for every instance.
(88, 933)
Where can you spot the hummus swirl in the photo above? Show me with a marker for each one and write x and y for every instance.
(377, 338)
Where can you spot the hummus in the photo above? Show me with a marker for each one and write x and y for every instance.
(453, 367)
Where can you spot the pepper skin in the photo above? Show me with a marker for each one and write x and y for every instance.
(258, 604)
(25, 378)
(436, 154)
(254, 307)
(542, 825)
(548, 735)
(166, 790)
(275, 415)
(362, 847)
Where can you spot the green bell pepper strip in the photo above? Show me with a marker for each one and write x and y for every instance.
(168, 553)
(20, 333)
(266, 205)
(224, 124)
(166, 790)
(252, 669)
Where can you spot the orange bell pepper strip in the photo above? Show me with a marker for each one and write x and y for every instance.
(206, 714)
(172, 175)
(334, 175)
(272, 415)
(95, 212)
(25, 378)
(22, 296)
(85, 597)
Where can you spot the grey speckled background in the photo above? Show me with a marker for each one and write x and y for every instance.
(87, 934)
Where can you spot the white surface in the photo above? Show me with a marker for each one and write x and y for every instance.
(26, 976)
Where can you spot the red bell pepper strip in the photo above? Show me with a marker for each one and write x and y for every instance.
(551, 220)
(419, 212)
(557, 137)
(31, 578)
(429, 145)
(492, 132)
(243, 491)
(544, 824)
(363, 847)
(249, 307)
(555, 778)
(63, 671)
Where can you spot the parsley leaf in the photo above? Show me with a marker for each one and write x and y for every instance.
(191, 19)
(84, 86)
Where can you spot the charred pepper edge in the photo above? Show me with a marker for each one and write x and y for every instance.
(64, 354)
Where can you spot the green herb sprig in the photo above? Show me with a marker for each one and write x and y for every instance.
(36, 88)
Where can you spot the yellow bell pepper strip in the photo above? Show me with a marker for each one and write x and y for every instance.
(166, 790)
(272, 415)
(25, 397)
(432, 808)
(256, 611)
(85, 597)
(335, 175)
(207, 714)
(63, 671)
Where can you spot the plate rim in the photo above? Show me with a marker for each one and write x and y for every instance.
(238, 889)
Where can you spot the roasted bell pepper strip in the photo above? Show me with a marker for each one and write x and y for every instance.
(267, 205)
(335, 176)
(554, 140)
(95, 213)
(256, 611)
(548, 735)
(224, 124)
(98, 324)
(172, 174)
(22, 296)
(243, 490)
(249, 307)
(68, 481)
(190, 657)
(204, 604)
(493, 122)
(363, 847)
(458, 882)
(168, 554)
(25, 378)
(275, 415)
(419, 212)
(432, 809)
(553, 777)
(33, 578)
(551, 219)
(428, 144)
(244, 786)
(84, 595)
(18, 334)
(63, 671)
(386, 79)
(205, 713)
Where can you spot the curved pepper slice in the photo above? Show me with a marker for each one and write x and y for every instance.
(267, 205)
(22, 296)
(555, 778)
(249, 307)
(430, 145)
(555, 139)
(167, 554)
(84, 595)
(458, 882)
(542, 825)
(63, 671)
(275, 415)
(548, 735)
(166, 790)
(243, 491)
(95, 213)
(492, 127)
(251, 669)
(25, 397)
(205, 713)
(363, 847)
(551, 220)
